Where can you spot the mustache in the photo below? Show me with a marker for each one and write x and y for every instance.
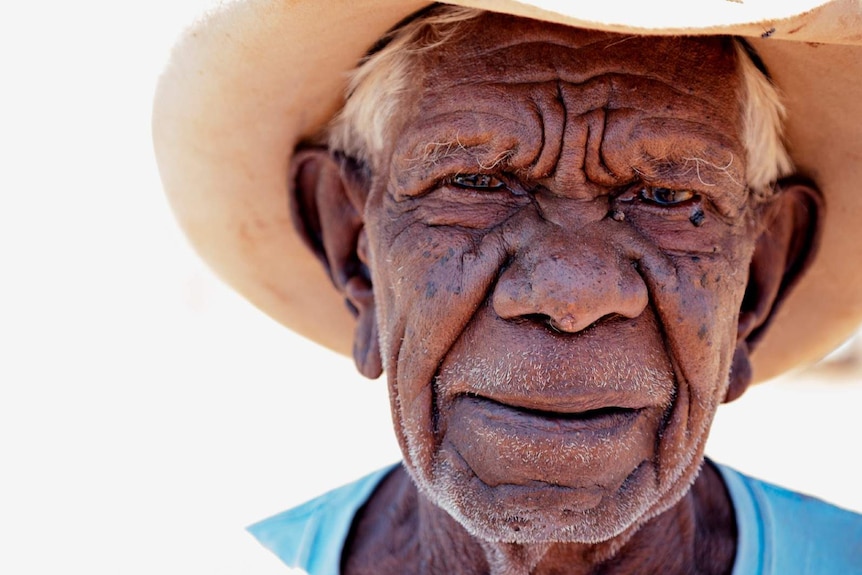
(544, 371)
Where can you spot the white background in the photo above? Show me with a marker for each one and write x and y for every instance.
(148, 414)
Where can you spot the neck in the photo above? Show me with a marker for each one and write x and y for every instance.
(698, 534)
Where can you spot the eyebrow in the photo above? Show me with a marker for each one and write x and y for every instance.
(437, 152)
(693, 167)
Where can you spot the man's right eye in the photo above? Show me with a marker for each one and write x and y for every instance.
(477, 182)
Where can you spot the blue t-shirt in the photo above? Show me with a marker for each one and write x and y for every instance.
(780, 532)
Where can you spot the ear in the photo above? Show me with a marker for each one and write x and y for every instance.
(327, 199)
(792, 221)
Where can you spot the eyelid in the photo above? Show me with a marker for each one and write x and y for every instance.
(489, 181)
(428, 183)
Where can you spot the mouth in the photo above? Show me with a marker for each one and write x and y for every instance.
(536, 415)
(523, 442)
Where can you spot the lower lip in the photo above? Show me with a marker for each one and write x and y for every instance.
(503, 444)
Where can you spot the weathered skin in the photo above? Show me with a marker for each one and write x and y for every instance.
(557, 335)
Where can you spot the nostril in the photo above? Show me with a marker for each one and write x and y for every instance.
(558, 325)
(570, 324)
(539, 318)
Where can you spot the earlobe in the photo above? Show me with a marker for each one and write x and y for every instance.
(740, 372)
(366, 343)
(792, 222)
(326, 207)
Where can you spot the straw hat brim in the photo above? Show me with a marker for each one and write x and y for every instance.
(251, 79)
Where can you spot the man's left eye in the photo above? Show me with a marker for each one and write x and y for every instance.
(666, 196)
(477, 181)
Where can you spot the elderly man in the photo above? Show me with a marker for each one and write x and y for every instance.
(561, 245)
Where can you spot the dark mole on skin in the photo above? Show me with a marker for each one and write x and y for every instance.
(697, 217)
(701, 333)
(448, 256)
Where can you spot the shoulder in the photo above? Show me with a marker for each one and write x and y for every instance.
(312, 535)
(783, 531)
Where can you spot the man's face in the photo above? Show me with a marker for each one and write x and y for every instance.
(559, 244)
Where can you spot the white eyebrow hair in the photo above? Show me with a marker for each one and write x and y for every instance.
(433, 153)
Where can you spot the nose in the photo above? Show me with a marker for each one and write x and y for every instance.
(570, 282)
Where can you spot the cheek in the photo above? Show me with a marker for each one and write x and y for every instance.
(699, 319)
(435, 278)
(709, 304)
(429, 283)
(701, 312)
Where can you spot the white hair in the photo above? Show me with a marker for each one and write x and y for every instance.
(377, 84)
(763, 114)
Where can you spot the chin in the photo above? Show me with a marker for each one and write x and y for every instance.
(547, 513)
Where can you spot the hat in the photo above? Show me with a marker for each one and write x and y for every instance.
(251, 79)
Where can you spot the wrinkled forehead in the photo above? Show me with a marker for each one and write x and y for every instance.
(515, 50)
(545, 96)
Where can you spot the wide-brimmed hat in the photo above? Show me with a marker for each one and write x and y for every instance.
(251, 79)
